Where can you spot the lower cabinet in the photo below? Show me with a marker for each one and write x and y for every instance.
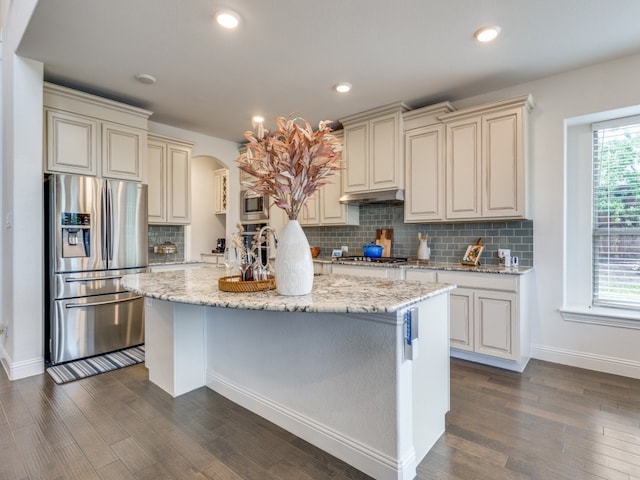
(489, 318)
(482, 321)
(488, 312)
(366, 271)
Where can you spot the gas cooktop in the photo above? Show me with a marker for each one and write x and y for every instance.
(372, 259)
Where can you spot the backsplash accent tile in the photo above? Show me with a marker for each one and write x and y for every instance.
(448, 241)
(158, 234)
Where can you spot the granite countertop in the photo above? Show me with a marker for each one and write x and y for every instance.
(331, 293)
(179, 262)
(417, 264)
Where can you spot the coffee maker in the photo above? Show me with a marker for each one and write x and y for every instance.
(220, 245)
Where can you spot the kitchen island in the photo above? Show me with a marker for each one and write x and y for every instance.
(338, 368)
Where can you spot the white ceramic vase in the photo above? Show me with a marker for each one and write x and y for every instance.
(294, 265)
(424, 252)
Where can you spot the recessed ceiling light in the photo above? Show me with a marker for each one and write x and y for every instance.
(146, 78)
(487, 34)
(342, 87)
(257, 119)
(227, 19)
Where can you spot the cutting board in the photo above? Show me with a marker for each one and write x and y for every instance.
(384, 237)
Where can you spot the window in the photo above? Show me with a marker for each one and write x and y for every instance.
(616, 213)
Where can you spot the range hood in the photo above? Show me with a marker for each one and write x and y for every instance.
(395, 196)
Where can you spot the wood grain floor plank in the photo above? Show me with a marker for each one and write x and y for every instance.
(114, 471)
(11, 466)
(228, 452)
(625, 436)
(102, 423)
(220, 471)
(37, 455)
(491, 455)
(132, 455)
(75, 464)
(551, 422)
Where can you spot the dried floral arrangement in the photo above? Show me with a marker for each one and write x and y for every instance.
(238, 242)
(291, 162)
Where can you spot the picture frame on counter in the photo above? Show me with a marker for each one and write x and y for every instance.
(472, 255)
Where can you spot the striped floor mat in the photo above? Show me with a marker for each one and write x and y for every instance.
(87, 367)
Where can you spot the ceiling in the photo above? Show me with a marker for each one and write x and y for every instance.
(287, 54)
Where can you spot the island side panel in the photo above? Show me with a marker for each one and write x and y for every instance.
(337, 380)
(175, 345)
(431, 375)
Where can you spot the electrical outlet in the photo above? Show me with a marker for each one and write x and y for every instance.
(503, 252)
(345, 248)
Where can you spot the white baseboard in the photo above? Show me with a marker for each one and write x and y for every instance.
(488, 360)
(590, 361)
(18, 370)
(360, 456)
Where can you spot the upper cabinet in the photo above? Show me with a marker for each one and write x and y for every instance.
(486, 161)
(373, 150)
(89, 135)
(323, 208)
(424, 154)
(220, 190)
(169, 180)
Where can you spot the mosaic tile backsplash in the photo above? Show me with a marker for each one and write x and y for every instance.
(448, 241)
(158, 234)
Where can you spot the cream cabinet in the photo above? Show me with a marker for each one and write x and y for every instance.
(424, 163)
(331, 211)
(366, 271)
(489, 318)
(488, 315)
(220, 177)
(169, 180)
(421, 274)
(310, 211)
(323, 208)
(373, 150)
(486, 161)
(89, 135)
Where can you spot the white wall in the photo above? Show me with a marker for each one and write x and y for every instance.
(206, 226)
(603, 87)
(22, 236)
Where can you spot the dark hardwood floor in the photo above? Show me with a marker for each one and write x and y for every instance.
(551, 422)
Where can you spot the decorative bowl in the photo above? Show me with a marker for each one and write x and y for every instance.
(315, 251)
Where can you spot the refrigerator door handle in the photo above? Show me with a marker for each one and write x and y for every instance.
(106, 302)
(91, 279)
(110, 224)
(103, 223)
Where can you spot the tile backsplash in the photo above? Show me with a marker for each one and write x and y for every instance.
(448, 241)
(158, 234)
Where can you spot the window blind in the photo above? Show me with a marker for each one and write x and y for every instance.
(616, 213)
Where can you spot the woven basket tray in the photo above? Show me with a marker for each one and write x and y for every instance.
(234, 284)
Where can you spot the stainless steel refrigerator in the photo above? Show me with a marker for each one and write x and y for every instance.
(96, 232)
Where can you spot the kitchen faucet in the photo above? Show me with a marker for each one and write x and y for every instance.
(268, 228)
(264, 269)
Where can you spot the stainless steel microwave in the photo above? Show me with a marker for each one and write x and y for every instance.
(253, 207)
